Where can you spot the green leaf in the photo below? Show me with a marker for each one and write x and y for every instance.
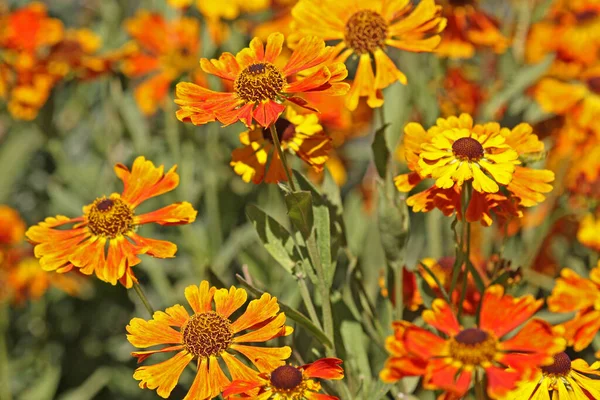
(329, 227)
(524, 78)
(381, 153)
(356, 345)
(276, 239)
(299, 205)
(297, 316)
(15, 154)
(393, 224)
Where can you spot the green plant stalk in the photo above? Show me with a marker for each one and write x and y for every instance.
(279, 150)
(398, 289)
(308, 303)
(5, 393)
(313, 253)
(480, 393)
(142, 296)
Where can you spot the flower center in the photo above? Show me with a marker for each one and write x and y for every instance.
(366, 31)
(585, 16)
(259, 82)
(207, 334)
(109, 217)
(286, 377)
(561, 365)
(467, 148)
(594, 84)
(473, 346)
(285, 130)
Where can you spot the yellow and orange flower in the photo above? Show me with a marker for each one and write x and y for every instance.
(571, 32)
(161, 50)
(460, 94)
(588, 233)
(208, 336)
(450, 362)
(287, 382)
(27, 281)
(111, 223)
(562, 380)
(299, 133)
(217, 12)
(12, 226)
(580, 100)
(575, 293)
(261, 86)
(24, 32)
(469, 28)
(365, 29)
(455, 151)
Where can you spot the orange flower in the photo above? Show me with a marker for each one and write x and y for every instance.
(162, 50)
(469, 28)
(12, 226)
(449, 362)
(301, 134)
(209, 335)
(364, 29)
(288, 382)
(26, 280)
(27, 30)
(30, 94)
(455, 151)
(579, 100)
(574, 293)
(260, 85)
(589, 231)
(110, 222)
(460, 93)
(571, 32)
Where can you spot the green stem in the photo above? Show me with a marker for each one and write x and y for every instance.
(277, 144)
(398, 289)
(5, 393)
(480, 393)
(142, 296)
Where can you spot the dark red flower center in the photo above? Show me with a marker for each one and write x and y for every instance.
(366, 31)
(285, 130)
(594, 84)
(286, 377)
(207, 334)
(109, 217)
(259, 82)
(473, 346)
(467, 148)
(586, 16)
(471, 336)
(561, 365)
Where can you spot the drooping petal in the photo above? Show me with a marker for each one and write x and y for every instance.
(163, 376)
(264, 358)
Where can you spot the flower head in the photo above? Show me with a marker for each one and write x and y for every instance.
(287, 382)
(449, 361)
(455, 151)
(469, 28)
(161, 51)
(575, 293)
(110, 222)
(12, 226)
(301, 134)
(207, 336)
(562, 380)
(261, 86)
(365, 29)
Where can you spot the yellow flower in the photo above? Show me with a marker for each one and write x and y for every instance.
(208, 336)
(365, 28)
(300, 134)
(459, 152)
(562, 380)
(589, 232)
